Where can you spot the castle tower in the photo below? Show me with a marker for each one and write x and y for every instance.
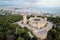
(45, 18)
(24, 19)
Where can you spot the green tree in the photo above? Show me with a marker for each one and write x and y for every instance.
(20, 38)
(34, 38)
(2, 35)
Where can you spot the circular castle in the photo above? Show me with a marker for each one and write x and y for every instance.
(37, 25)
(35, 21)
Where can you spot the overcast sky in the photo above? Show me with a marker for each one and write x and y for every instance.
(47, 3)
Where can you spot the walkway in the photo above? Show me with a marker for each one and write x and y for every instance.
(40, 33)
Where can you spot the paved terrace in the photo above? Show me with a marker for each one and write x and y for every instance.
(40, 33)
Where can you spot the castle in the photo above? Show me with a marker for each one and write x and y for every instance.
(37, 25)
(36, 22)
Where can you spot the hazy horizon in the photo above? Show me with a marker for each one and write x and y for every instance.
(37, 3)
(51, 6)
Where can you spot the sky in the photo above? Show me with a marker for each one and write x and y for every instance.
(38, 3)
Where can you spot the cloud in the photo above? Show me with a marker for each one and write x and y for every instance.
(48, 3)
(31, 2)
(12, 2)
